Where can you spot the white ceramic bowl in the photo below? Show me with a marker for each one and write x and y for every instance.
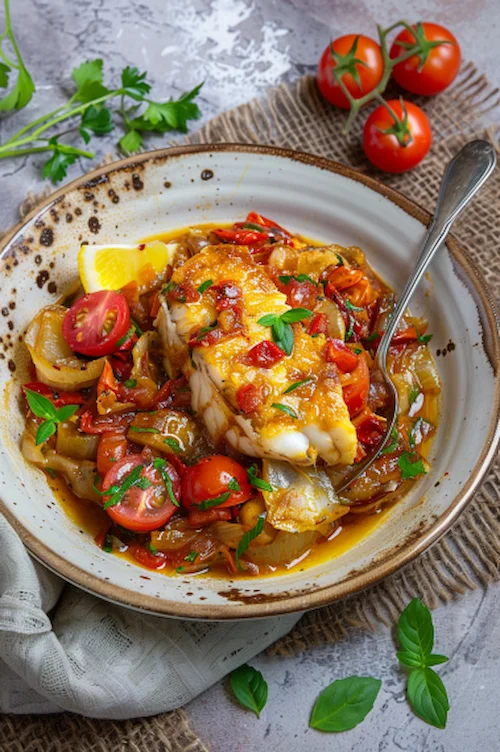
(188, 185)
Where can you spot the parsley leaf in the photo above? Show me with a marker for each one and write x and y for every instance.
(130, 383)
(249, 688)
(22, 92)
(206, 284)
(410, 469)
(248, 537)
(95, 119)
(256, 482)
(88, 80)
(134, 83)
(215, 502)
(172, 115)
(424, 338)
(233, 485)
(160, 464)
(285, 409)
(351, 307)
(414, 392)
(130, 480)
(285, 278)
(192, 556)
(345, 703)
(63, 156)
(173, 444)
(130, 142)
(393, 445)
(140, 429)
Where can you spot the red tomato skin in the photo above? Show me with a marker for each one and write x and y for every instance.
(265, 354)
(440, 68)
(209, 478)
(356, 393)
(249, 398)
(337, 352)
(112, 448)
(146, 558)
(83, 323)
(59, 399)
(384, 150)
(125, 514)
(369, 51)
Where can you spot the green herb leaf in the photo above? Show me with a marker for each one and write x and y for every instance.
(108, 544)
(394, 442)
(134, 83)
(295, 314)
(345, 703)
(143, 484)
(285, 409)
(21, 94)
(248, 537)
(340, 259)
(39, 405)
(206, 284)
(415, 391)
(130, 480)
(233, 485)
(173, 444)
(172, 115)
(152, 549)
(416, 635)
(63, 156)
(45, 431)
(179, 570)
(278, 330)
(285, 278)
(125, 337)
(249, 688)
(351, 307)
(140, 429)
(4, 75)
(192, 556)
(424, 338)
(130, 383)
(256, 482)
(296, 385)
(51, 472)
(136, 327)
(95, 119)
(373, 336)
(215, 502)
(65, 412)
(268, 319)
(410, 469)
(88, 80)
(428, 697)
(130, 142)
(350, 331)
(286, 340)
(160, 464)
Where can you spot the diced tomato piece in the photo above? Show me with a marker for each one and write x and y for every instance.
(370, 427)
(242, 237)
(112, 447)
(202, 519)
(146, 558)
(363, 293)
(300, 294)
(318, 325)
(183, 293)
(249, 398)
(227, 295)
(203, 338)
(337, 352)
(265, 354)
(58, 399)
(342, 278)
(103, 423)
(356, 391)
(174, 393)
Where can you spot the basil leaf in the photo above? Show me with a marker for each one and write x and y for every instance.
(173, 444)
(248, 537)
(394, 442)
(208, 283)
(45, 431)
(39, 405)
(428, 697)
(139, 429)
(192, 555)
(296, 385)
(278, 330)
(294, 315)
(268, 319)
(129, 481)
(130, 383)
(285, 409)
(410, 469)
(215, 502)
(416, 631)
(160, 464)
(249, 688)
(256, 482)
(65, 412)
(345, 703)
(409, 659)
(287, 339)
(233, 485)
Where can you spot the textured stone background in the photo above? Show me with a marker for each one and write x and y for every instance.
(240, 48)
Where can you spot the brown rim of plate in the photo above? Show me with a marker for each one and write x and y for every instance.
(284, 604)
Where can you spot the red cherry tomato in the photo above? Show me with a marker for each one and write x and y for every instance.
(337, 352)
(434, 69)
(355, 390)
(145, 508)
(353, 54)
(384, 150)
(212, 477)
(112, 448)
(95, 324)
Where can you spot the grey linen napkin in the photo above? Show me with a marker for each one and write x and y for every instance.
(62, 649)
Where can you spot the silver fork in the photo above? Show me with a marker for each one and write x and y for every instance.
(463, 177)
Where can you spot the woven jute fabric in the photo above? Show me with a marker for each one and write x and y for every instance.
(295, 116)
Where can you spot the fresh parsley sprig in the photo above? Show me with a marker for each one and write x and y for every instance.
(42, 407)
(248, 537)
(281, 329)
(24, 88)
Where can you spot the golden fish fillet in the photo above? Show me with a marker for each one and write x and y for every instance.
(314, 422)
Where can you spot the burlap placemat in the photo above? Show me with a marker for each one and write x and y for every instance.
(294, 116)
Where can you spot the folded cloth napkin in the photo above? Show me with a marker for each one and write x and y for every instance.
(63, 649)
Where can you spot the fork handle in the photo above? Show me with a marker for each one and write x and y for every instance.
(463, 177)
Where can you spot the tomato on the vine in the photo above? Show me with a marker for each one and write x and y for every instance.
(357, 60)
(215, 482)
(96, 323)
(434, 68)
(397, 144)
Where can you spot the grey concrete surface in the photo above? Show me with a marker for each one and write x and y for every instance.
(240, 48)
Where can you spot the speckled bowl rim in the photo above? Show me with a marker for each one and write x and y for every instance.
(283, 603)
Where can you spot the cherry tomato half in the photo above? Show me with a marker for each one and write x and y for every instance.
(360, 59)
(384, 149)
(146, 505)
(435, 69)
(95, 323)
(213, 477)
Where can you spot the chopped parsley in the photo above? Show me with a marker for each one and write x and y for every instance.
(351, 307)
(206, 284)
(285, 409)
(140, 429)
(248, 537)
(192, 555)
(409, 468)
(256, 482)
(415, 391)
(233, 485)
(173, 444)
(160, 464)
(393, 445)
(215, 502)
(130, 383)
(296, 385)
(285, 278)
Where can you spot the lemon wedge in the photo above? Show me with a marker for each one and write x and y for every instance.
(110, 267)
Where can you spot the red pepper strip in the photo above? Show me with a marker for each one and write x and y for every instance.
(57, 398)
(249, 398)
(146, 558)
(174, 393)
(342, 278)
(242, 237)
(259, 219)
(103, 423)
(318, 325)
(121, 368)
(201, 519)
(264, 355)
(407, 335)
(369, 427)
(344, 358)
(356, 393)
